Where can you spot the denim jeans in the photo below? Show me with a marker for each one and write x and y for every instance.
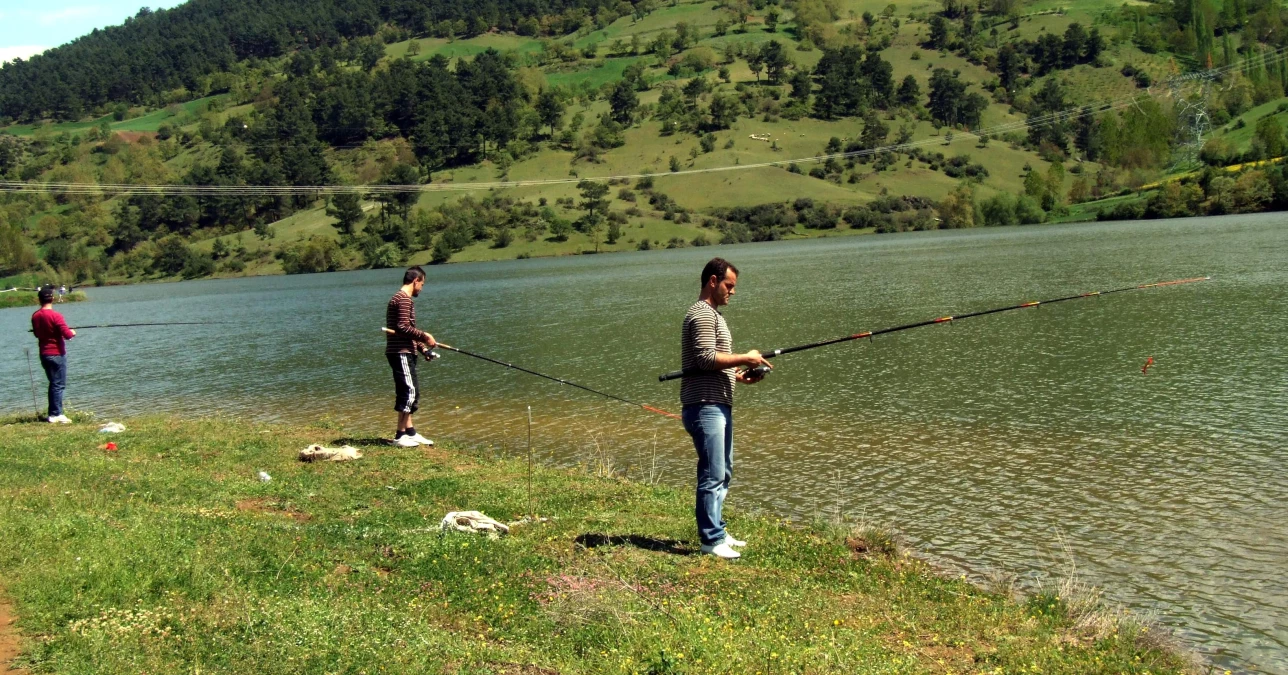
(56, 371)
(711, 426)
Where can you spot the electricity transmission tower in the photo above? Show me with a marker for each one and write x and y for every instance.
(1192, 119)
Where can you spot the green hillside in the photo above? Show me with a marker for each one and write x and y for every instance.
(920, 116)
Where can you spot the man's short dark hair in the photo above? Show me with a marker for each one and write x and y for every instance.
(46, 294)
(413, 274)
(717, 267)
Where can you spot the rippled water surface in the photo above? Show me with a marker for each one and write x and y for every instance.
(1008, 442)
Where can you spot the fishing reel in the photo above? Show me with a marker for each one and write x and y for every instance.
(429, 354)
(756, 373)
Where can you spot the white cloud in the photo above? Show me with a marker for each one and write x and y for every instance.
(8, 54)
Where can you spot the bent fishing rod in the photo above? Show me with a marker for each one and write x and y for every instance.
(760, 371)
(136, 325)
(549, 377)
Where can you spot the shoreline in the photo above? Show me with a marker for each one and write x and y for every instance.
(422, 257)
(29, 299)
(180, 553)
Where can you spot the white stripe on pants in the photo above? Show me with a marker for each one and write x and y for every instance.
(411, 387)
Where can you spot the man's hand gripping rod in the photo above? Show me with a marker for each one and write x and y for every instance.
(429, 354)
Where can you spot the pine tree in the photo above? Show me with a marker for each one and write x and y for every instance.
(550, 109)
(909, 91)
(347, 210)
(1202, 35)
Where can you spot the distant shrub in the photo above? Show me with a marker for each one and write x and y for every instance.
(318, 254)
(198, 265)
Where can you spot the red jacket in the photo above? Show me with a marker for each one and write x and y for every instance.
(51, 330)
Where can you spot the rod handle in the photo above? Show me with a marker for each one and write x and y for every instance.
(438, 344)
(758, 371)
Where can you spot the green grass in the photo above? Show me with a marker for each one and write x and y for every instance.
(454, 49)
(149, 122)
(169, 555)
(596, 73)
(700, 15)
(1242, 138)
(27, 280)
(1087, 211)
(29, 299)
(297, 227)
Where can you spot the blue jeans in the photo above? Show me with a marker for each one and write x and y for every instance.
(711, 426)
(56, 371)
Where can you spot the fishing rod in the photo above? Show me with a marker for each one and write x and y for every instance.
(136, 325)
(550, 377)
(760, 371)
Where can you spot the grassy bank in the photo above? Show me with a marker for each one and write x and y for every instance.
(29, 299)
(169, 555)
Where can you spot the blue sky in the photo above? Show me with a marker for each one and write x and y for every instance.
(31, 26)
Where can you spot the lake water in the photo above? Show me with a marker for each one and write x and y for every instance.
(1011, 442)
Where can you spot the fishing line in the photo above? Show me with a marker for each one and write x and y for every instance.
(551, 378)
(136, 325)
(769, 354)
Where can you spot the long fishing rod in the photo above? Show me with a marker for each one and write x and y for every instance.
(551, 378)
(136, 325)
(930, 322)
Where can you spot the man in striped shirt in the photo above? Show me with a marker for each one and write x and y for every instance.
(706, 397)
(401, 345)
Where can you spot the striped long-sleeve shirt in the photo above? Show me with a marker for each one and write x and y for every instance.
(400, 315)
(705, 334)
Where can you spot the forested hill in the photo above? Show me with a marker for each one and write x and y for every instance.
(150, 56)
(192, 142)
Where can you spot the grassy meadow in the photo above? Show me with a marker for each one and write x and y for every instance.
(142, 121)
(168, 554)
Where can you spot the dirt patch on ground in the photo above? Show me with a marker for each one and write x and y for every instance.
(8, 638)
(263, 505)
(134, 136)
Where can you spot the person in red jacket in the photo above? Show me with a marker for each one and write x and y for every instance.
(52, 333)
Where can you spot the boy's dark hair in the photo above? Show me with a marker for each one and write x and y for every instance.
(46, 294)
(413, 274)
(718, 267)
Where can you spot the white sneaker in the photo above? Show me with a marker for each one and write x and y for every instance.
(722, 550)
(420, 439)
(53, 419)
(733, 542)
(406, 442)
(60, 419)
